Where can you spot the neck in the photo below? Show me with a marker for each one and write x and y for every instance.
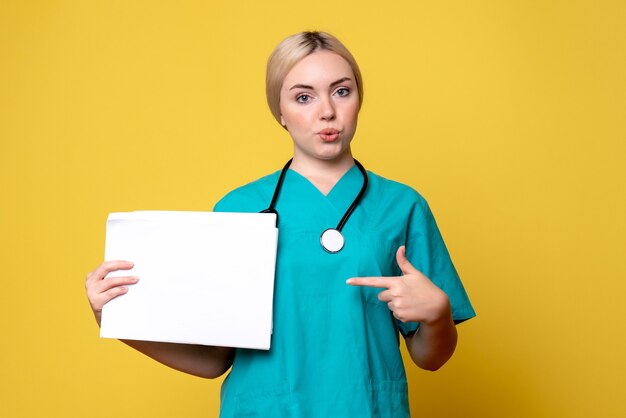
(323, 174)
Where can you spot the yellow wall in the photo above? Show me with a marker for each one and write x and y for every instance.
(509, 116)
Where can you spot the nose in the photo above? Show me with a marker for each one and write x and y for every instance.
(327, 109)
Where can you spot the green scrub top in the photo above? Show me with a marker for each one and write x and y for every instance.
(335, 348)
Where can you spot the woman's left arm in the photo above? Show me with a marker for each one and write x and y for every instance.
(413, 297)
(432, 345)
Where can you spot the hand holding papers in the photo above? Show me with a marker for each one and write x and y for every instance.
(205, 278)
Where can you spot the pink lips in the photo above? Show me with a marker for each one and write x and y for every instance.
(329, 134)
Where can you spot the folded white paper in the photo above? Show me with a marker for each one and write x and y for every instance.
(205, 277)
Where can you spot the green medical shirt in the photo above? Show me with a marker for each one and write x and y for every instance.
(335, 348)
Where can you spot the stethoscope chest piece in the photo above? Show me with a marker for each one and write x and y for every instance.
(332, 240)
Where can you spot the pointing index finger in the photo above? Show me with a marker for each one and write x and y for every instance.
(378, 282)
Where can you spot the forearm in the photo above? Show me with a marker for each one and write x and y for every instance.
(198, 360)
(433, 343)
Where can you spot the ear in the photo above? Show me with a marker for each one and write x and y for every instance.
(282, 121)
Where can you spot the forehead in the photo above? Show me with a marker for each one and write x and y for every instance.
(318, 69)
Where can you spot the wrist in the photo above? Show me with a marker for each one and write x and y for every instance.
(98, 316)
(441, 312)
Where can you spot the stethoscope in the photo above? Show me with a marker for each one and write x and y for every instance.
(332, 239)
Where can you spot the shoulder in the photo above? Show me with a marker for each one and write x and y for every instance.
(252, 197)
(395, 192)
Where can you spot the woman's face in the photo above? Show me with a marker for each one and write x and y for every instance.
(319, 106)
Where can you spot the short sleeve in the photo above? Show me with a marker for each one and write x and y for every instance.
(226, 205)
(427, 252)
(250, 198)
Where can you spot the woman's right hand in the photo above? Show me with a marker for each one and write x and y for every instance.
(101, 290)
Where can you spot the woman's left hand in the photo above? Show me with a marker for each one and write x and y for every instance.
(412, 297)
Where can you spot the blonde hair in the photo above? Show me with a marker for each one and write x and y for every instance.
(291, 51)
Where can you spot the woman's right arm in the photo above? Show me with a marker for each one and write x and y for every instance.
(198, 360)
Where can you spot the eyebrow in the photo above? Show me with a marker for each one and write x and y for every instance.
(306, 86)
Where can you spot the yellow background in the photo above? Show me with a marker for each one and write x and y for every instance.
(508, 116)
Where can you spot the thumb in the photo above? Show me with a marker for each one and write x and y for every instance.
(403, 262)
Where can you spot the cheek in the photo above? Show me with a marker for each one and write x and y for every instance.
(352, 114)
(296, 120)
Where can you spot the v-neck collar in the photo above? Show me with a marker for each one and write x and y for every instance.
(341, 195)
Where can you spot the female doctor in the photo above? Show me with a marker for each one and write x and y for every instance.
(360, 262)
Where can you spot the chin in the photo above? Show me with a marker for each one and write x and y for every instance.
(333, 156)
(334, 149)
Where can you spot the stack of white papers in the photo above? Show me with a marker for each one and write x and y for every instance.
(205, 277)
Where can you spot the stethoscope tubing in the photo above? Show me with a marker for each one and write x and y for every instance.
(344, 218)
(358, 198)
(277, 189)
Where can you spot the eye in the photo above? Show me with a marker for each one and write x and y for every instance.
(303, 98)
(342, 91)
